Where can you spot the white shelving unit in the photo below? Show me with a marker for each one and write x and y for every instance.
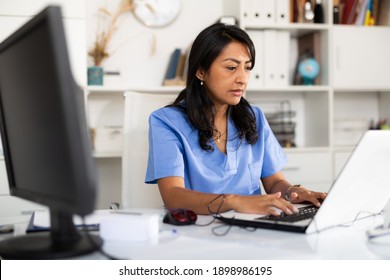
(354, 86)
(105, 108)
(311, 161)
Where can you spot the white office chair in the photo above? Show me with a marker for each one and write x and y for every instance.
(138, 106)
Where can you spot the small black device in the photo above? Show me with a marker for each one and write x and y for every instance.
(180, 217)
(45, 138)
(6, 229)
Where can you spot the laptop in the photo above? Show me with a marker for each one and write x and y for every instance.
(362, 189)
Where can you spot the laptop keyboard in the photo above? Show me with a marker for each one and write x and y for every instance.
(304, 213)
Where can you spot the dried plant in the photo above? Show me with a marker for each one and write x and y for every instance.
(99, 52)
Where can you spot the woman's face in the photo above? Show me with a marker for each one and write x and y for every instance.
(228, 75)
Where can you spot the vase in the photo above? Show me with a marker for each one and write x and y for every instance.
(95, 76)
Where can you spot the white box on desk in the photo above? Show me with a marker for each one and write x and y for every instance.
(108, 139)
(130, 226)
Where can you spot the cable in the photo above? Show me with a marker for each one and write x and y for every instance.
(214, 229)
(370, 214)
(213, 214)
(216, 214)
(219, 206)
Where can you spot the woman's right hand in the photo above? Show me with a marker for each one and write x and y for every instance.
(267, 204)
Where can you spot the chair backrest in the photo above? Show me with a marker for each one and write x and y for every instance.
(138, 107)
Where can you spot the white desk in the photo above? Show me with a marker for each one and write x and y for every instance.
(199, 243)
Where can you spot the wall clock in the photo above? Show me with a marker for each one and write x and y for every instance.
(156, 13)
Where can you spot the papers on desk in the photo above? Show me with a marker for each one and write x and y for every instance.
(21, 219)
(122, 225)
(40, 220)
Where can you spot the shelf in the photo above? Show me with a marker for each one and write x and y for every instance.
(362, 90)
(308, 150)
(121, 90)
(295, 29)
(107, 155)
(343, 149)
(299, 89)
(102, 89)
(161, 89)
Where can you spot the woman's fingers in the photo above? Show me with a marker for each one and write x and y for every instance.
(302, 195)
(278, 204)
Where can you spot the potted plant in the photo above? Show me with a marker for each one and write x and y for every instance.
(99, 51)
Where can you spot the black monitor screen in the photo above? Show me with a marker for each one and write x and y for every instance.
(44, 132)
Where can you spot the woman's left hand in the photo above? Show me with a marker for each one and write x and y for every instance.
(298, 194)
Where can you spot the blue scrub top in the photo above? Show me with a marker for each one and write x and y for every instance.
(174, 150)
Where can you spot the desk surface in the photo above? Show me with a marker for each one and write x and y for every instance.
(199, 243)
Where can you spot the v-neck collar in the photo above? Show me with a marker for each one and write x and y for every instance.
(229, 160)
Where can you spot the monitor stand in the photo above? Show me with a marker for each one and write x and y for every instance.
(62, 241)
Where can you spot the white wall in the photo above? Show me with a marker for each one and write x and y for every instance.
(14, 13)
(132, 41)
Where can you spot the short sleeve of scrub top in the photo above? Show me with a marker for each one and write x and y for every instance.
(174, 150)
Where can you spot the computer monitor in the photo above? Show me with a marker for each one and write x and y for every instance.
(46, 143)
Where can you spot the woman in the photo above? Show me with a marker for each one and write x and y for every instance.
(209, 150)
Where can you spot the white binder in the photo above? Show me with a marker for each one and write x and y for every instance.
(282, 10)
(270, 58)
(256, 13)
(256, 79)
(267, 17)
(248, 13)
(283, 58)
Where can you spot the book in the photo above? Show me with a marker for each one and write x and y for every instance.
(177, 68)
(353, 14)
(349, 11)
(185, 69)
(180, 66)
(368, 18)
(361, 13)
(172, 66)
(40, 221)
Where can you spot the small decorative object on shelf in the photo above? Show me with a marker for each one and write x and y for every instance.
(308, 69)
(99, 51)
(308, 13)
(95, 76)
(308, 65)
(112, 78)
(230, 20)
(318, 12)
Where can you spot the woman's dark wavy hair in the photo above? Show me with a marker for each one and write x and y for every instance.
(198, 106)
